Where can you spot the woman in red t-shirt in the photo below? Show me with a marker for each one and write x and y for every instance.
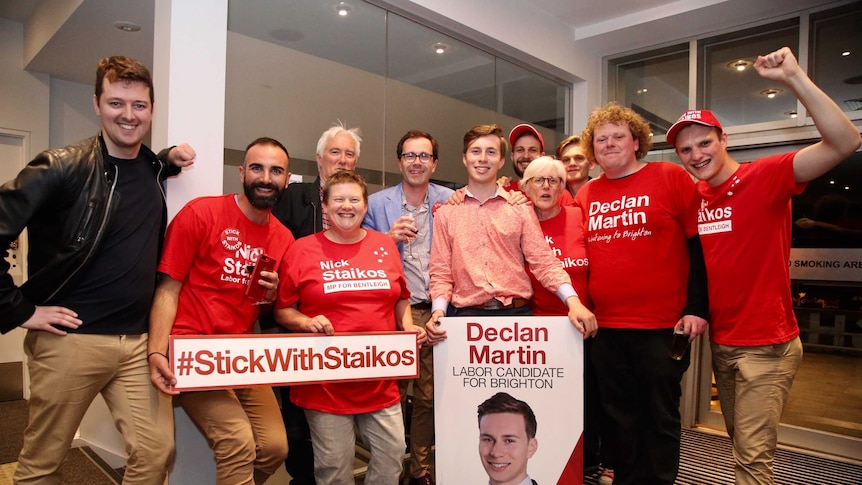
(348, 279)
(544, 181)
(544, 184)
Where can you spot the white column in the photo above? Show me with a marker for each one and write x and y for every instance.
(189, 59)
(190, 44)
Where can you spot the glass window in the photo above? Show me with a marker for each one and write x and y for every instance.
(425, 58)
(356, 39)
(730, 86)
(654, 84)
(527, 96)
(836, 54)
(313, 63)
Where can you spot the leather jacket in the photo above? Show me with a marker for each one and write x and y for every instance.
(65, 198)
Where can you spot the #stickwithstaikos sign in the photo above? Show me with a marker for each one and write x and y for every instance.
(538, 360)
(225, 361)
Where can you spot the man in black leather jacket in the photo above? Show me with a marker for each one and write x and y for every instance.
(299, 209)
(96, 214)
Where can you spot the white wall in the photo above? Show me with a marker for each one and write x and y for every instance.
(72, 116)
(23, 108)
(24, 96)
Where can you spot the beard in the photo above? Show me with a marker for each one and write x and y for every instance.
(259, 201)
(517, 169)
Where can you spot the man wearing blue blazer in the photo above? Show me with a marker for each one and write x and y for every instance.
(405, 213)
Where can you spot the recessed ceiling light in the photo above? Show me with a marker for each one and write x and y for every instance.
(845, 53)
(642, 90)
(126, 26)
(440, 48)
(771, 92)
(343, 9)
(740, 65)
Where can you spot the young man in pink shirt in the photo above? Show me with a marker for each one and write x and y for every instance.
(481, 245)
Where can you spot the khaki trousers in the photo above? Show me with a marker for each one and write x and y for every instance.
(753, 385)
(66, 374)
(422, 419)
(244, 429)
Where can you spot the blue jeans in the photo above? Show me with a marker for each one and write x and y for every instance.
(333, 438)
(753, 384)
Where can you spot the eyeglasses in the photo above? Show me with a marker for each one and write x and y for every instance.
(540, 181)
(411, 157)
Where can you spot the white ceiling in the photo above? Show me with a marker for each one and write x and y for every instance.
(602, 27)
(606, 26)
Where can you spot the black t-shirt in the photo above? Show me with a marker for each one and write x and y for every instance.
(114, 294)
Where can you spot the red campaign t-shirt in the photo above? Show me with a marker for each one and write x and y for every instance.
(566, 198)
(636, 229)
(565, 234)
(356, 286)
(207, 247)
(745, 229)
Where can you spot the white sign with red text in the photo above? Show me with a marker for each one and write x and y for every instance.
(538, 360)
(226, 361)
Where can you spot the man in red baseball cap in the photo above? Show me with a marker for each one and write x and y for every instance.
(703, 117)
(527, 145)
(744, 228)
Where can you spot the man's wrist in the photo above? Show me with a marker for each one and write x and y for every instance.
(150, 354)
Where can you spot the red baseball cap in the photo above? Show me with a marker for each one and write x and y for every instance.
(700, 116)
(525, 128)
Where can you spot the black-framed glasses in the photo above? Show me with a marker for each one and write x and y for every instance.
(540, 181)
(411, 157)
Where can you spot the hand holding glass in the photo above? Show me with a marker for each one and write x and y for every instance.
(413, 232)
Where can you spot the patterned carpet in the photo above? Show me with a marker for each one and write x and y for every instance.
(78, 469)
(707, 459)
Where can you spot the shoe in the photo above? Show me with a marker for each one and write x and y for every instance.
(607, 476)
(423, 480)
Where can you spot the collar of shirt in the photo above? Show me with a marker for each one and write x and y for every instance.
(409, 208)
(501, 192)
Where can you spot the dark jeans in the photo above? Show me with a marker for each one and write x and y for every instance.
(524, 311)
(640, 392)
(300, 455)
(597, 441)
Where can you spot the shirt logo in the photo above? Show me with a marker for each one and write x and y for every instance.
(230, 239)
(339, 276)
(714, 220)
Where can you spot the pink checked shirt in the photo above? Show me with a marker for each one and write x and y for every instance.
(479, 250)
